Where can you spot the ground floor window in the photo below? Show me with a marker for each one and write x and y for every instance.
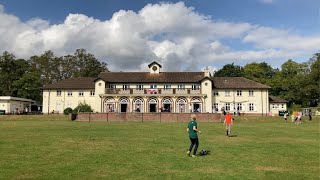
(196, 104)
(166, 105)
(138, 105)
(123, 105)
(152, 104)
(182, 105)
(227, 107)
(109, 105)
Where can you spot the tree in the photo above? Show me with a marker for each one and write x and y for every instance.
(230, 70)
(87, 65)
(10, 70)
(259, 72)
(29, 86)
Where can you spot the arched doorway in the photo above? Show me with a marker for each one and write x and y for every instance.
(167, 104)
(123, 105)
(137, 105)
(109, 104)
(152, 104)
(182, 105)
(196, 104)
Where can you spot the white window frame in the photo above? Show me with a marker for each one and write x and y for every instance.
(59, 93)
(195, 87)
(239, 106)
(69, 93)
(153, 86)
(81, 93)
(227, 93)
(239, 92)
(251, 93)
(216, 93)
(181, 87)
(92, 93)
(251, 107)
(227, 106)
(139, 87)
(167, 86)
(125, 86)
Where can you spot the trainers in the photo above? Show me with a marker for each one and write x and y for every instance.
(193, 155)
(188, 153)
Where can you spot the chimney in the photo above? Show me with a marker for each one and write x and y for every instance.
(206, 72)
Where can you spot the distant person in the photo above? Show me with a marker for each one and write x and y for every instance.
(310, 115)
(293, 118)
(299, 118)
(228, 120)
(285, 116)
(192, 129)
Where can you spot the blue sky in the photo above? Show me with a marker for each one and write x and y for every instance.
(182, 35)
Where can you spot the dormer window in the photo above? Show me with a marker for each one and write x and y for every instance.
(154, 67)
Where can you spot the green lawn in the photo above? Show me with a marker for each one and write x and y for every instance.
(53, 147)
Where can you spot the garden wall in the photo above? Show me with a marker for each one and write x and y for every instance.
(146, 117)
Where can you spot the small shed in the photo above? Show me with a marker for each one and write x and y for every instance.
(277, 105)
(14, 105)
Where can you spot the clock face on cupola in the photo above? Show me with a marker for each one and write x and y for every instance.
(154, 67)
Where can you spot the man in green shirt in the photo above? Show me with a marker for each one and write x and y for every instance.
(192, 129)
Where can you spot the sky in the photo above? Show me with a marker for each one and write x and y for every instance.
(184, 35)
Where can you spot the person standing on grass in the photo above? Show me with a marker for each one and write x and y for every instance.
(228, 122)
(192, 129)
(285, 117)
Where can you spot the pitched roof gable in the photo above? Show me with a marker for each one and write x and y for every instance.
(275, 99)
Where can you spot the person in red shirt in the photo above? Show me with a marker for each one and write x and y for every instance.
(228, 122)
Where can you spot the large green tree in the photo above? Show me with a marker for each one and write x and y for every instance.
(230, 70)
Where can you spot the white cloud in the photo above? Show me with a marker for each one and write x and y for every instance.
(176, 36)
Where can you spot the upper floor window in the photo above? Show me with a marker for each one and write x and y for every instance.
(92, 93)
(250, 92)
(69, 93)
(227, 92)
(195, 87)
(239, 93)
(153, 86)
(125, 86)
(59, 93)
(215, 93)
(111, 86)
(282, 106)
(167, 86)
(139, 87)
(80, 93)
(181, 87)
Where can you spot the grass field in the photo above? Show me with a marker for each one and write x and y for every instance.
(53, 147)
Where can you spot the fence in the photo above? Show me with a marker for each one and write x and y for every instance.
(146, 117)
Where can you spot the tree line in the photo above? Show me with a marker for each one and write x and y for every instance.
(25, 77)
(298, 83)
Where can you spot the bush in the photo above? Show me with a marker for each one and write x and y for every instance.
(67, 111)
(83, 107)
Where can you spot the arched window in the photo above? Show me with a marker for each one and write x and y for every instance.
(123, 104)
(182, 105)
(152, 104)
(196, 104)
(109, 105)
(138, 105)
(167, 105)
